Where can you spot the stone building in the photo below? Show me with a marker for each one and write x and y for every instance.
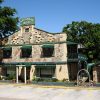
(31, 52)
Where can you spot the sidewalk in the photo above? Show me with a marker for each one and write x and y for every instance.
(52, 86)
(36, 92)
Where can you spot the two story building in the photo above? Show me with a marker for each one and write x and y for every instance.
(31, 52)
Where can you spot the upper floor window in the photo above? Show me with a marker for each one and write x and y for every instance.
(47, 50)
(26, 29)
(72, 51)
(7, 52)
(26, 52)
(72, 48)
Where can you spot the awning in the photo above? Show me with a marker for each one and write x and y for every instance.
(48, 46)
(71, 43)
(45, 66)
(26, 47)
(7, 48)
(32, 63)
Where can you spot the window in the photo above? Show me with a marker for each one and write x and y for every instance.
(26, 52)
(45, 71)
(7, 52)
(47, 51)
(26, 29)
(72, 49)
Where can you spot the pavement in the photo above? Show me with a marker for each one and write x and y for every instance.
(34, 92)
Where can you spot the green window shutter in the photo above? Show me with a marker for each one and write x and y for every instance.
(48, 46)
(26, 47)
(7, 48)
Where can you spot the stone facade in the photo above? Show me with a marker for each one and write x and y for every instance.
(28, 35)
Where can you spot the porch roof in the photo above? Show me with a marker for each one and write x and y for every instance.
(32, 63)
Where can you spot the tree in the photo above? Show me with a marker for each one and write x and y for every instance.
(87, 34)
(8, 21)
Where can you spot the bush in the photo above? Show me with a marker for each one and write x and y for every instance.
(11, 77)
(38, 79)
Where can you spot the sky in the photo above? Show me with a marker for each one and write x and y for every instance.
(53, 15)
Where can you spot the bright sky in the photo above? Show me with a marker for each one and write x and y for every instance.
(53, 15)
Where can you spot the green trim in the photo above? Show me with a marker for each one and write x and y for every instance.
(26, 47)
(48, 46)
(42, 43)
(32, 63)
(7, 48)
(71, 43)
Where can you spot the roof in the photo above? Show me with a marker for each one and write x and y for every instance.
(47, 32)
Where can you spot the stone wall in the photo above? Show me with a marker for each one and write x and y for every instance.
(96, 73)
(62, 72)
(35, 36)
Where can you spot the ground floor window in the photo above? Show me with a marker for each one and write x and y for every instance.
(11, 70)
(45, 72)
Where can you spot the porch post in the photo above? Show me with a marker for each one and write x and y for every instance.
(16, 74)
(25, 74)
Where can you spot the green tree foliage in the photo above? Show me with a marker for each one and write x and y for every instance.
(8, 21)
(87, 34)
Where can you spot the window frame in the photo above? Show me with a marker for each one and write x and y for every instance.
(44, 47)
(24, 50)
(5, 50)
(27, 29)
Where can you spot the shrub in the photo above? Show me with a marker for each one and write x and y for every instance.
(11, 76)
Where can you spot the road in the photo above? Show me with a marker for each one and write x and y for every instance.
(14, 92)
